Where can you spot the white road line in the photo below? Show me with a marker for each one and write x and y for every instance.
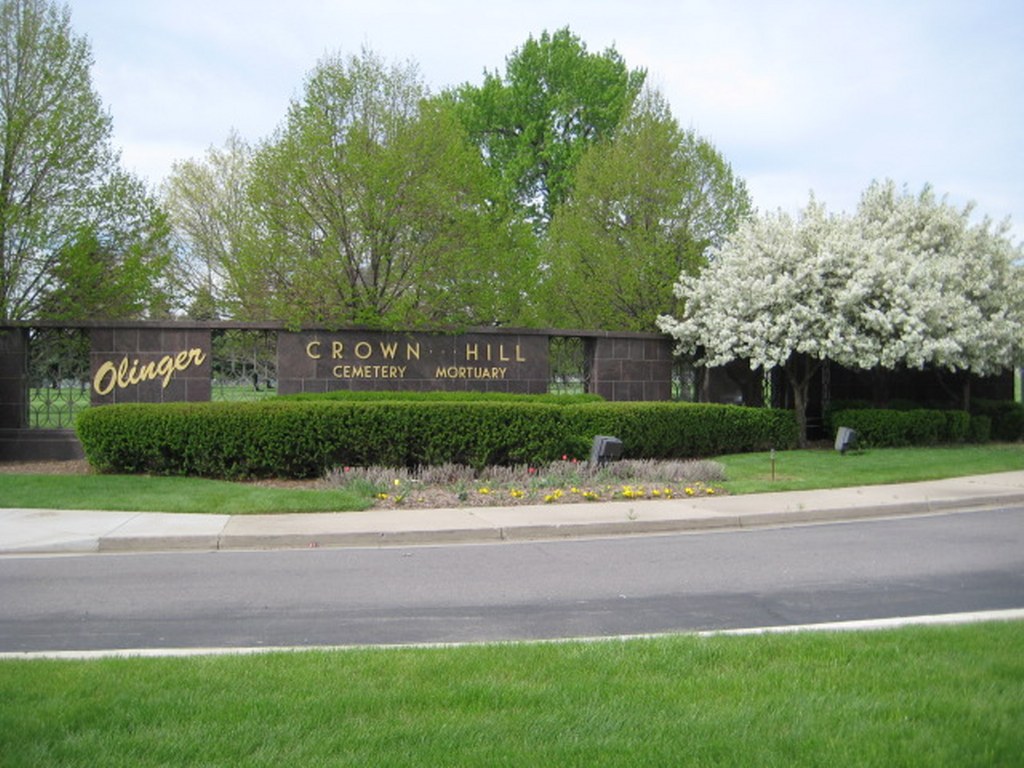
(1014, 614)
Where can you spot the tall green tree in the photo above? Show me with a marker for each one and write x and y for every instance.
(373, 208)
(212, 220)
(534, 122)
(646, 206)
(117, 265)
(63, 197)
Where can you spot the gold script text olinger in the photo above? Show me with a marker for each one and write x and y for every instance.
(128, 373)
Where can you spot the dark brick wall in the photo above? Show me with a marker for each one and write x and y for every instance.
(631, 368)
(173, 363)
(154, 362)
(322, 361)
(39, 445)
(13, 377)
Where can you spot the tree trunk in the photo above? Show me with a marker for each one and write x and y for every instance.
(800, 369)
(800, 406)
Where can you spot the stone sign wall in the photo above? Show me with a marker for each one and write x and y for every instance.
(149, 365)
(13, 378)
(159, 362)
(634, 367)
(320, 361)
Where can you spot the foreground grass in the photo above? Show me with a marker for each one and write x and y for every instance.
(143, 493)
(925, 696)
(811, 469)
(746, 473)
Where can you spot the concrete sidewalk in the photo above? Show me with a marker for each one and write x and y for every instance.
(24, 531)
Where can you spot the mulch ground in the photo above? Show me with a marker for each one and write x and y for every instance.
(80, 467)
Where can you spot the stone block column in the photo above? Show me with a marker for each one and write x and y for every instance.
(13, 378)
(631, 367)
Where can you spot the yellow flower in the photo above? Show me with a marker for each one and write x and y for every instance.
(689, 491)
(485, 490)
(629, 492)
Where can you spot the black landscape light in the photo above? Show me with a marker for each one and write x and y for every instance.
(604, 449)
(846, 439)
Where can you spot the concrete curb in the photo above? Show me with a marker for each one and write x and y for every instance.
(598, 529)
(27, 531)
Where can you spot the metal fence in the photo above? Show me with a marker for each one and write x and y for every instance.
(58, 376)
(244, 365)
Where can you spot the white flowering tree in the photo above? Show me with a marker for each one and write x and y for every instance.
(906, 282)
(772, 295)
(947, 293)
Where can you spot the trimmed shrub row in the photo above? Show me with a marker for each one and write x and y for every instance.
(304, 439)
(886, 428)
(1007, 418)
(1001, 420)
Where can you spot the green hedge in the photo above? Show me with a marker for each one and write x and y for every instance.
(1007, 418)
(304, 439)
(981, 429)
(686, 430)
(887, 428)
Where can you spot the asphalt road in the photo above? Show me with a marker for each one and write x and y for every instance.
(585, 588)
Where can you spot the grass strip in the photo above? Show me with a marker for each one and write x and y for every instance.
(949, 696)
(812, 469)
(746, 473)
(144, 493)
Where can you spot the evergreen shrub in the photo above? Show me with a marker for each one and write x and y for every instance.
(879, 428)
(289, 438)
(1007, 418)
(981, 429)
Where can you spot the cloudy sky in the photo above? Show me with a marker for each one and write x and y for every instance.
(798, 95)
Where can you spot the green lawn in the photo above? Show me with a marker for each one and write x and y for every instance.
(950, 696)
(810, 469)
(144, 493)
(919, 696)
(746, 473)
